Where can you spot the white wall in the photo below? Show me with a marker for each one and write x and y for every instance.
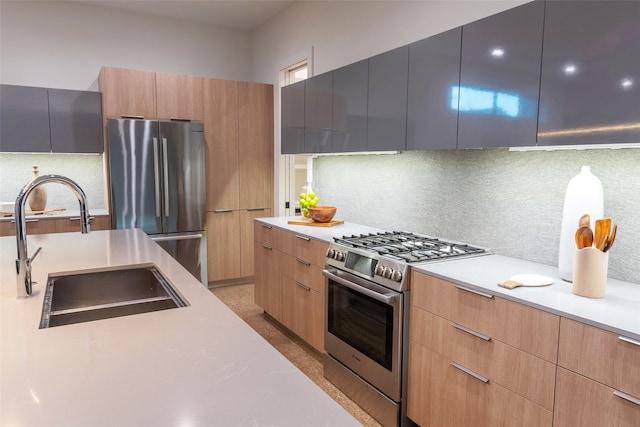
(64, 44)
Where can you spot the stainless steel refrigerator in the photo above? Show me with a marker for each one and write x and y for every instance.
(157, 172)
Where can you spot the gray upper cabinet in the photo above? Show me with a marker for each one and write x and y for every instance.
(292, 108)
(500, 78)
(76, 121)
(350, 107)
(387, 102)
(318, 120)
(590, 86)
(41, 120)
(434, 79)
(24, 119)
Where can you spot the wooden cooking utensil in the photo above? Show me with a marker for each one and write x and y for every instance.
(585, 221)
(611, 237)
(603, 227)
(584, 237)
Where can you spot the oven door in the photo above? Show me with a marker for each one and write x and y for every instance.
(363, 329)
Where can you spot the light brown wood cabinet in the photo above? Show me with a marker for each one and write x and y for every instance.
(238, 119)
(239, 134)
(230, 241)
(268, 268)
(127, 92)
(34, 226)
(151, 95)
(179, 97)
(66, 225)
(303, 288)
(471, 358)
(54, 225)
(299, 285)
(598, 380)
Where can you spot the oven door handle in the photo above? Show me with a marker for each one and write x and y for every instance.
(389, 298)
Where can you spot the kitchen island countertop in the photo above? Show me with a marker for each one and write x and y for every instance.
(199, 365)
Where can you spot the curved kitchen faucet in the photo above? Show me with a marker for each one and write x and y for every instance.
(23, 263)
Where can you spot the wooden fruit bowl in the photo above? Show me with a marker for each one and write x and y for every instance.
(322, 213)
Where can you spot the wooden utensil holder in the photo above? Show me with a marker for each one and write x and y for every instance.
(590, 267)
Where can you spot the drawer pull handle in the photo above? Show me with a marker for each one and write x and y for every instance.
(255, 209)
(626, 396)
(267, 247)
(482, 294)
(629, 340)
(302, 237)
(77, 218)
(267, 226)
(470, 372)
(301, 261)
(471, 332)
(223, 210)
(13, 221)
(303, 286)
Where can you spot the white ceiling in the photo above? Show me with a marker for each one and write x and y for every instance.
(246, 15)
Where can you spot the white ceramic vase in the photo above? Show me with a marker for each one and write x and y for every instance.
(584, 195)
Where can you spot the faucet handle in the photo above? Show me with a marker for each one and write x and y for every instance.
(35, 254)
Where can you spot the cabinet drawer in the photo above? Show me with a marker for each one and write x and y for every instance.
(268, 235)
(583, 402)
(606, 357)
(305, 273)
(526, 328)
(525, 374)
(307, 249)
(303, 312)
(66, 225)
(34, 226)
(441, 394)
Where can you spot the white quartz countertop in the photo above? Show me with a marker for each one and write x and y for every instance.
(618, 311)
(199, 365)
(67, 213)
(325, 234)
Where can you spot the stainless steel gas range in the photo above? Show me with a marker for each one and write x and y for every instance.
(367, 322)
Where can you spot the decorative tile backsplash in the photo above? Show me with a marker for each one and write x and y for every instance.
(86, 170)
(509, 201)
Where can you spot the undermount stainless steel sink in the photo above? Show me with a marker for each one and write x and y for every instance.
(83, 297)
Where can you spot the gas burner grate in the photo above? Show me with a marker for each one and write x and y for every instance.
(409, 247)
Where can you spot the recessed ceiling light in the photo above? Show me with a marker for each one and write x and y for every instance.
(570, 69)
(497, 52)
(626, 83)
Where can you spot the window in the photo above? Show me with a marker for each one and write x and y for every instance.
(295, 170)
(296, 73)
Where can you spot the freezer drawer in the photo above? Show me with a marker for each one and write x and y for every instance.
(189, 249)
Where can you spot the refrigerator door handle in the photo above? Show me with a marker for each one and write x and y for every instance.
(176, 237)
(166, 177)
(156, 170)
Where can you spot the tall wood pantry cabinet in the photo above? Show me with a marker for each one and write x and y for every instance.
(239, 134)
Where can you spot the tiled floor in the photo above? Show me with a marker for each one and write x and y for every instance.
(240, 299)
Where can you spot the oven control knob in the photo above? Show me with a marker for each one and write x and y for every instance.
(396, 276)
(339, 256)
(330, 253)
(379, 270)
(388, 272)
